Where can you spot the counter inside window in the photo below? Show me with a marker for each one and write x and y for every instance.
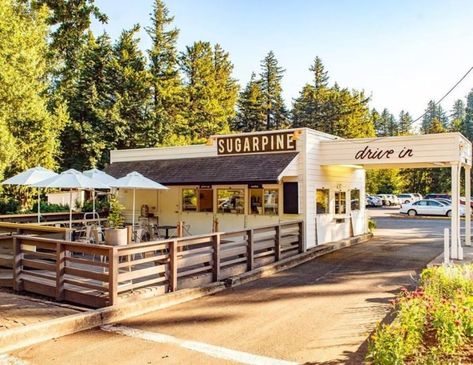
(231, 201)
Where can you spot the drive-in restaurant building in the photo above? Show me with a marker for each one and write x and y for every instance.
(255, 179)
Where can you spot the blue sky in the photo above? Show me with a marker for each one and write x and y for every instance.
(402, 52)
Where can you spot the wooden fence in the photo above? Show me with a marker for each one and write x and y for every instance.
(99, 275)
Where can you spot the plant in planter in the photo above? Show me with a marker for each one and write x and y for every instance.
(116, 233)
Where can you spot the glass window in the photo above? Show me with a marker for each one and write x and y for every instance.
(189, 200)
(355, 199)
(256, 201)
(433, 204)
(231, 201)
(206, 200)
(340, 202)
(271, 200)
(322, 201)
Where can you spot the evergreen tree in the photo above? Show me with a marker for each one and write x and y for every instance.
(457, 116)
(432, 112)
(251, 114)
(91, 107)
(271, 76)
(210, 91)
(385, 124)
(467, 125)
(167, 91)
(130, 87)
(404, 123)
(332, 109)
(320, 75)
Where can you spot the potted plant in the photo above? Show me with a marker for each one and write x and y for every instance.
(116, 233)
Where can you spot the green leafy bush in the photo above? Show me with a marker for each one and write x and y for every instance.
(432, 323)
(115, 217)
(9, 206)
(371, 224)
(51, 208)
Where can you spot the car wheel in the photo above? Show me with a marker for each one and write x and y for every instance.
(449, 213)
(412, 213)
(407, 202)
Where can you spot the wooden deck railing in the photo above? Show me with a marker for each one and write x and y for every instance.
(99, 275)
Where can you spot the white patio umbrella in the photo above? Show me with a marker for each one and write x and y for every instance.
(71, 179)
(99, 176)
(134, 180)
(29, 177)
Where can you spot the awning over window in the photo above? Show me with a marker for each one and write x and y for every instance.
(241, 169)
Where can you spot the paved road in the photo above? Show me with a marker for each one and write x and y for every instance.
(318, 313)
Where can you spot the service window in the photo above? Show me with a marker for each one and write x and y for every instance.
(322, 201)
(256, 201)
(340, 202)
(355, 199)
(271, 201)
(231, 201)
(206, 200)
(189, 200)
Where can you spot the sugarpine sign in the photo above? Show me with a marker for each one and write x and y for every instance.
(256, 143)
(376, 153)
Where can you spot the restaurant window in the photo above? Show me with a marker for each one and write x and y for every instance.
(322, 201)
(355, 199)
(231, 201)
(340, 202)
(189, 200)
(197, 200)
(264, 201)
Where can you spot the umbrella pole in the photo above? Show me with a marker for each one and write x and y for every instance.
(133, 216)
(39, 205)
(70, 208)
(93, 202)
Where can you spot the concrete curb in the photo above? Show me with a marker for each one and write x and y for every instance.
(417, 217)
(19, 337)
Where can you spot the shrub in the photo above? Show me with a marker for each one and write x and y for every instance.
(115, 217)
(51, 208)
(432, 323)
(9, 206)
(371, 224)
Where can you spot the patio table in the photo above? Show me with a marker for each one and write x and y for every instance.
(166, 229)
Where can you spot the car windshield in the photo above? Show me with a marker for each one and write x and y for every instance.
(403, 196)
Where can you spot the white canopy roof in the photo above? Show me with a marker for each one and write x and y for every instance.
(100, 176)
(71, 179)
(134, 180)
(30, 176)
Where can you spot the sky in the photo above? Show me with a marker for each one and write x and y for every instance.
(402, 53)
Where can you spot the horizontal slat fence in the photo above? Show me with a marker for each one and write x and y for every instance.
(100, 275)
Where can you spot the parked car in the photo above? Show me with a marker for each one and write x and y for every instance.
(462, 201)
(428, 207)
(435, 196)
(418, 196)
(388, 199)
(373, 201)
(394, 200)
(406, 198)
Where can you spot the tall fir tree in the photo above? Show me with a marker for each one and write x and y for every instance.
(271, 76)
(166, 84)
(432, 112)
(130, 88)
(457, 116)
(91, 107)
(404, 123)
(210, 91)
(332, 109)
(251, 115)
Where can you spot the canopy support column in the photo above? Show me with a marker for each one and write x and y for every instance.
(467, 205)
(454, 215)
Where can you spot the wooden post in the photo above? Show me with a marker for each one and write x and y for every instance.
(113, 275)
(173, 265)
(17, 265)
(60, 269)
(216, 225)
(180, 229)
(277, 248)
(216, 257)
(467, 205)
(250, 253)
(301, 237)
(129, 234)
